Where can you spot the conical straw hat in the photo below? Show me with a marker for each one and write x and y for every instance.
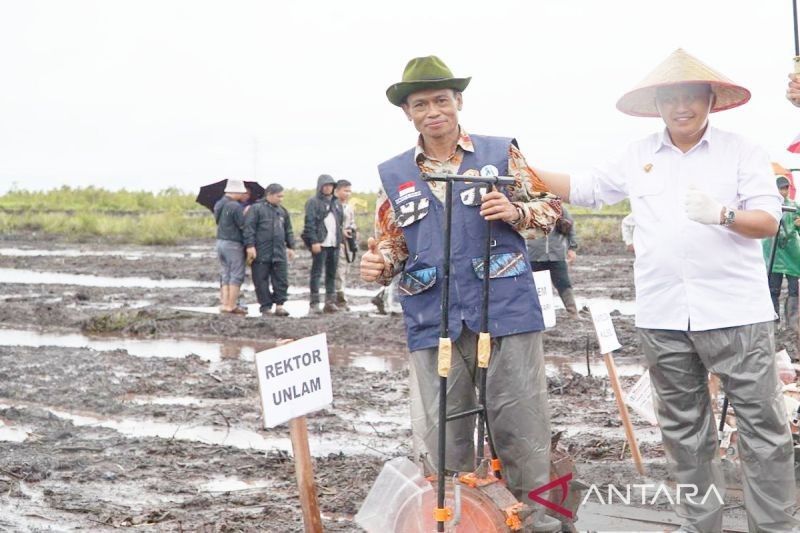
(681, 67)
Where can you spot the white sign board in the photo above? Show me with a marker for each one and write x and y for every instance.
(294, 379)
(544, 288)
(640, 399)
(606, 335)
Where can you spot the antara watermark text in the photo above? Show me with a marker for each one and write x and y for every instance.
(648, 493)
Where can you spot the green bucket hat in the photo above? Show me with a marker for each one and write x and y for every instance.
(423, 73)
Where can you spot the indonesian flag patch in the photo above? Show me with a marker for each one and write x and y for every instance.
(406, 188)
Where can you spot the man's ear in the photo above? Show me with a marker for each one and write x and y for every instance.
(459, 101)
(405, 110)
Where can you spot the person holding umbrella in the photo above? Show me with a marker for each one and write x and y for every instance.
(409, 243)
(269, 242)
(229, 214)
(702, 197)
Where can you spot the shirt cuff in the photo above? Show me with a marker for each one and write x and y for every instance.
(389, 270)
(522, 223)
(764, 203)
(581, 190)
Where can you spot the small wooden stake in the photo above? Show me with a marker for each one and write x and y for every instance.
(623, 412)
(304, 471)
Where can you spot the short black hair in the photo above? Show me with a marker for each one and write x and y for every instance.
(273, 188)
(343, 183)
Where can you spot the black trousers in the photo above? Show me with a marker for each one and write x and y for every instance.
(327, 259)
(277, 273)
(558, 273)
(775, 282)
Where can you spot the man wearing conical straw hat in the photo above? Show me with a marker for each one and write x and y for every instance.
(702, 199)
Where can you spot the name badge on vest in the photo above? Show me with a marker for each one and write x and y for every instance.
(410, 212)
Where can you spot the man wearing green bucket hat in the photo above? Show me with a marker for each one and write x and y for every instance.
(409, 243)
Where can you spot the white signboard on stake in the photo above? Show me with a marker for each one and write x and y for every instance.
(544, 288)
(294, 379)
(640, 399)
(606, 335)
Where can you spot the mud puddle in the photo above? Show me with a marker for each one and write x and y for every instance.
(19, 276)
(210, 350)
(13, 433)
(244, 439)
(227, 484)
(296, 309)
(25, 276)
(129, 255)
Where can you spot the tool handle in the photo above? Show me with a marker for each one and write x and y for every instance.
(484, 349)
(445, 356)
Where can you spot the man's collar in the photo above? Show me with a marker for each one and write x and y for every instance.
(664, 140)
(463, 141)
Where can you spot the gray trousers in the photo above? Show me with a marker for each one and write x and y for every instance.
(516, 399)
(744, 359)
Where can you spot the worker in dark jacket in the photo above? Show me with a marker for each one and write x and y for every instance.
(269, 242)
(229, 215)
(322, 234)
(555, 252)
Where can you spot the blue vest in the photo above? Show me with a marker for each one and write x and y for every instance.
(513, 302)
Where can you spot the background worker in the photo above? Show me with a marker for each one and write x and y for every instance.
(702, 197)
(787, 258)
(229, 215)
(269, 241)
(322, 235)
(343, 192)
(555, 252)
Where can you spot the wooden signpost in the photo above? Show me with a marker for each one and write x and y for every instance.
(607, 338)
(294, 379)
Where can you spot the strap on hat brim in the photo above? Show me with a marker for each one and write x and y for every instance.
(641, 102)
(398, 92)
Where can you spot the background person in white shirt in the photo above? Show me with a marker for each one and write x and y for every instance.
(702, 198)
(343, 192)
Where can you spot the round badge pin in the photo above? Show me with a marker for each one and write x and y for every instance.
(489, 171)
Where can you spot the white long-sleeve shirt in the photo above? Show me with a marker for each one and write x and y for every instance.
(690, 276)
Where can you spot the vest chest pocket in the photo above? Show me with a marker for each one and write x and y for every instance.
(503, 265)
(417, 281)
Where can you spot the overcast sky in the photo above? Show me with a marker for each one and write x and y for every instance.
(155, 94)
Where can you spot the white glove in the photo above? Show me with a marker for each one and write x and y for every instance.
(702, 208)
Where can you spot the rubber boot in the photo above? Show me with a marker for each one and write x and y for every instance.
(330, 305)
(791, 314)
(378, 302)
(569, 303)
(341, 302)
(313, 306)
(545, 524)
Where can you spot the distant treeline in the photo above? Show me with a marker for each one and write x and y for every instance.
(171, 216)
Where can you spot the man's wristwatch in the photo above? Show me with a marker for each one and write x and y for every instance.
(727, 216)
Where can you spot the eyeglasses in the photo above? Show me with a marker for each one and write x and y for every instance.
(686, 98)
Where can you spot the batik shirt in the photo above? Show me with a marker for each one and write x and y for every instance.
(540, 209)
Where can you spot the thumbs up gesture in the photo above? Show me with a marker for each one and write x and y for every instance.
(372, 263)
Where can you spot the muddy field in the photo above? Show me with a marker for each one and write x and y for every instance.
(124, 402)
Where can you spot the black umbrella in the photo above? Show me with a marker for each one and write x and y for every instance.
(209, 194)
